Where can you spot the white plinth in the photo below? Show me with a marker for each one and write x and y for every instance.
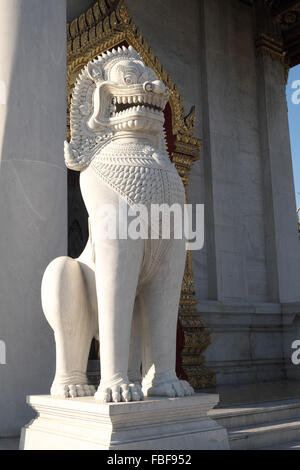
(156, 423)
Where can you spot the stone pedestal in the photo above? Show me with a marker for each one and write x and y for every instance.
(156, 423)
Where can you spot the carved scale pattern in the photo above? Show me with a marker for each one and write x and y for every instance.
(146, 178)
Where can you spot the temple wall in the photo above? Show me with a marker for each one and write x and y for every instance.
(252, 240)
(174, 33)
(231, 154)
(246, 331)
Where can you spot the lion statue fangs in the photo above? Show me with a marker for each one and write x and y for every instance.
(124, 292)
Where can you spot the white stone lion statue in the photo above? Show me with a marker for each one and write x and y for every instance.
(123, 291)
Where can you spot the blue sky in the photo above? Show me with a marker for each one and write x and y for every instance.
(294, 120)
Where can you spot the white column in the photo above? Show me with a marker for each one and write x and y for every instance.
(281, 229)
(33, 193)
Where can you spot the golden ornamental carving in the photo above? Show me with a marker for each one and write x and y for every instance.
(104, 26)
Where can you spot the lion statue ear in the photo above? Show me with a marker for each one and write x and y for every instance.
(94, 71)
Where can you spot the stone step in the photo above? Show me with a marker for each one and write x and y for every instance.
(264, 435)
(285, 446)
(256, 413)
(273, 424)
(9, 443)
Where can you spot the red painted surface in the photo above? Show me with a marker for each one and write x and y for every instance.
(171, 139)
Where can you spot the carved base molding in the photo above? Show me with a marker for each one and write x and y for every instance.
(161, 423)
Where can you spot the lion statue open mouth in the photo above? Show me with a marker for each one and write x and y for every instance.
(123, 291)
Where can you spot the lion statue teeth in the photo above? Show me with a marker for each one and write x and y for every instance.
(123, 291)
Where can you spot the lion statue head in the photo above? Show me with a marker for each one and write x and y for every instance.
(115, 93)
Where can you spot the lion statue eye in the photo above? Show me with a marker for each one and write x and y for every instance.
(130, 79)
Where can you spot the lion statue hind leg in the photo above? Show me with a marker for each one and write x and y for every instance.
(67, 308)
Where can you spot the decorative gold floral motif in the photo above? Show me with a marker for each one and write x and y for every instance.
(104, 26)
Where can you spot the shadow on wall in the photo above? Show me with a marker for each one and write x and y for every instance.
(76, 7)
